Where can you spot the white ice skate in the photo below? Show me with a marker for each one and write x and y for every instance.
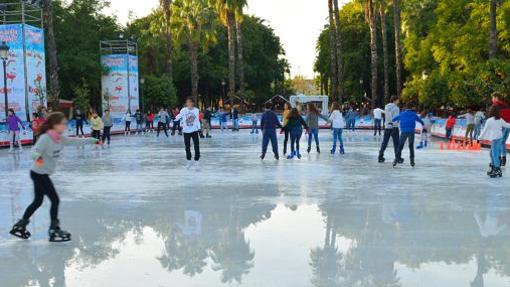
(188, 164)
(197, 165)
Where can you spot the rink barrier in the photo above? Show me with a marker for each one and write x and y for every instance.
(364, 123)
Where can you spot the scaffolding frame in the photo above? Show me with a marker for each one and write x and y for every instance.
(21, 12)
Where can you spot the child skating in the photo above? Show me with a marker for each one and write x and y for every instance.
(312, 120)
(107, 126)
(13, 125)
(127, 119)
(337, 124)
(493, 132)
(191, 127)
(425, 130)
(407, 120)
(45, 154)
(295, 124)
(96, 124)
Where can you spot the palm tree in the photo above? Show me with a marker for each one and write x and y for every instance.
(195, 21)
(332, 48)
(398, 45)
(166, 6)
(494, 31)
(382, 13)
(371, 17)
(339, 52)
(51, 46)
(226, 10)
(240, 4)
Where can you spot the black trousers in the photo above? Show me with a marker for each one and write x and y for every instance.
(286, 140)
(196, 145)
(106, 133)
(96, 134)
(403, 138)
(43, 186)
(79, 128)
(128, 127)
(162, 126)
(393, 133)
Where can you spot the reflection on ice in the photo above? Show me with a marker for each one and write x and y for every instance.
(137, 216)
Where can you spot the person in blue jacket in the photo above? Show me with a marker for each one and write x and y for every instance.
(268, 124)
(407, 120)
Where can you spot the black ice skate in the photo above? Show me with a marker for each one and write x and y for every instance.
(496, 172)
(412, 163)
(503, 161)
(381, 159)
(58, 235)
(318, 149)
(309, 149)
(491, 169)
(20, 229)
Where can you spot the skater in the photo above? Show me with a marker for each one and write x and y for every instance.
(312, 120)
(35, 125)
(450, 125)
(223, 120)
(504, 108)
(295, 125)
(127, 119)
(107, 126)
(234, 115)
(254, 123)
(149, 124)
(351, 119)
(139, 118)
(96, 124)
(470, 125)
(189, 115)
(337, 124)
(268, 124)
(286, 112)
(163, 116)
(176, 123)
(79, 119)
(13, 124)
(479, 120)
(378, 118)
(206, 123)
(493, 132)
(407, 120)
(45, 154)
(391, 128)
(425, 130)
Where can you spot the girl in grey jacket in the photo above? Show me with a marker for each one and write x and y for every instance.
(45, 154)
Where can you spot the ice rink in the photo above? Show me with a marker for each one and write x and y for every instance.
(139, 218)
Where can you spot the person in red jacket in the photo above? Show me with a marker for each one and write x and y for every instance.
(504, 108)
(34, 125)
(450, 124)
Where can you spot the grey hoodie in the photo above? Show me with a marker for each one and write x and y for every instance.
(49, 151)
(391, 111)
(312, 120)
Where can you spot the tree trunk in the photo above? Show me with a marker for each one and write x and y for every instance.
(51, 47)
(332, 48)
(339, 52)
(240, 56)
(167, 8)
(372, 22)
(231, 26)
(193, 49)
(382, 13)
(493, 30)
(398, 46)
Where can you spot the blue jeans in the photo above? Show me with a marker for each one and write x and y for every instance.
(315, 134)
(351, 124)
(448, 133)
(377, 126)
(269, 135)
(235, 124)
(496, 152)
(506, 134)
(223, 126)
(478, 130)
(337, 136)
(254, 128)
(295, 137)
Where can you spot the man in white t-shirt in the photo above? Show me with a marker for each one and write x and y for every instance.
(378, 117)
(190, 117)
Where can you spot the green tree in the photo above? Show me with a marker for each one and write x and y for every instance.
(158, 92)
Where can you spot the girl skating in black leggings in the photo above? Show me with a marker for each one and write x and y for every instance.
(46, 153)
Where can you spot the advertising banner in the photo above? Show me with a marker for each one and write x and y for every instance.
(36, 70)
(133, 83)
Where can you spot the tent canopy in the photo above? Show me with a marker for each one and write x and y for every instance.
(304, 99)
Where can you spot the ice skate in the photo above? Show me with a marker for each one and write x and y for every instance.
(188, 164)
(309, 149)
(412, 163)
(291, 155)
(420, 146)
(496, 172)
(277, 157)
(381, 159)
(58, 235)
(318, 149)
(342, 151)
(19, 229)
(262, 156)
(197, 165)
(503, 161)
(491, 169)
(333, 150)
(298, 155)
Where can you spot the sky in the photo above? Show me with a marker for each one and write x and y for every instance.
(297, 22)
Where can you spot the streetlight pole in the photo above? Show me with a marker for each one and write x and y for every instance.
(223, 84)
(4, 54)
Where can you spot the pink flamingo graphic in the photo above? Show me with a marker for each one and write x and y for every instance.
(118, 89)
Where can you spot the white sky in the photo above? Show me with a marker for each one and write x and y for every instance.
(297, 22)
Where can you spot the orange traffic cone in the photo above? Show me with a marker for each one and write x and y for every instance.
(441, 146)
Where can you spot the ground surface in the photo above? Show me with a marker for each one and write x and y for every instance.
(139, 218)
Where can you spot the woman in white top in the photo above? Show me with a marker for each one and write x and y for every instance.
(493, 132)
(190, 117)
(338, 124)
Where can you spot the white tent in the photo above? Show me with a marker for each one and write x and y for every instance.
(304, 99)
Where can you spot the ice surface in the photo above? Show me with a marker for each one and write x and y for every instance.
(139, 218)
